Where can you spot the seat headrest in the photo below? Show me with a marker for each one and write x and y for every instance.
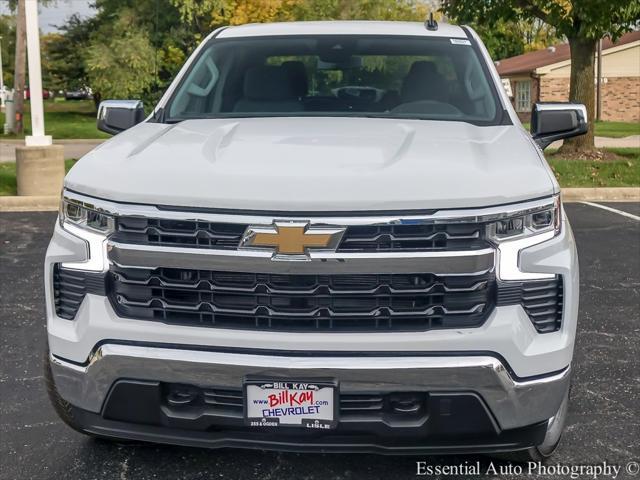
(268, 83)
(423, 67)
(424, 82)
(298, 75)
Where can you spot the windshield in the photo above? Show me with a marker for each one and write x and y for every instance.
(341, 75)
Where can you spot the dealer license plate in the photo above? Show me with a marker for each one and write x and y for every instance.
(271, 403)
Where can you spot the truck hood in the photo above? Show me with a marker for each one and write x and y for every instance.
(315, 164)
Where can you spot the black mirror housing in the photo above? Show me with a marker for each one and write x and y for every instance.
(115, 116)
(556, 121)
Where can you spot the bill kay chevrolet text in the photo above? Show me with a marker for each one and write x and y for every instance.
(326, 236)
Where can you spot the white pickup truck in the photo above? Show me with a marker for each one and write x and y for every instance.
(327, 236)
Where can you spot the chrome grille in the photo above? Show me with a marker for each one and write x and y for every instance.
(386, 238)
(363, 302)
(227, 236)
(178, 233)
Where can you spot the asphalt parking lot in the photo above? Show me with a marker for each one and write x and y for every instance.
(604, 419)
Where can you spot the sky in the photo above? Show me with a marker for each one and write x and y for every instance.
(56, 12)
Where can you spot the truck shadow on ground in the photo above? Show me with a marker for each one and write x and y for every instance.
(138, 460)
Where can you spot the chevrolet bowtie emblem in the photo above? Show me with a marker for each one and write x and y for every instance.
(291, 238)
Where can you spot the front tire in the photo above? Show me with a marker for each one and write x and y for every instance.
(60, 405)
(64, 409)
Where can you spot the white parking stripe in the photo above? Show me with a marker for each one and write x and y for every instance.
(619, 212)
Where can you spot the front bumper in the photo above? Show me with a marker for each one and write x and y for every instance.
(516, 409)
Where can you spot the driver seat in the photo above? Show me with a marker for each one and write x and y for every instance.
(424, 82)
(269, 89)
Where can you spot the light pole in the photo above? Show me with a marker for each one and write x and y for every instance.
(39, 164)
(37, 137)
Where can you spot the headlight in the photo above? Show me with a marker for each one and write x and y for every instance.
(527, 223)
(85, 216)
(93, 225)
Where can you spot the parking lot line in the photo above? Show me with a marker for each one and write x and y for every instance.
(619, 212)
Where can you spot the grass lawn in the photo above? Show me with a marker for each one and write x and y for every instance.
(64, 119)
(611, 129)
(8, 176)
(617, 129)
(622, 172)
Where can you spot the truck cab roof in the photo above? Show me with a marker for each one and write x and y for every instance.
(342, 28)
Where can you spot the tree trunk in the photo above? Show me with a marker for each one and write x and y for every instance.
(20, 67)
(97, 98)
(582, 89)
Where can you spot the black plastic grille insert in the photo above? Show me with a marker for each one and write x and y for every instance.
(405, 405)
(71, 286)
(541, 299)
(371, 302)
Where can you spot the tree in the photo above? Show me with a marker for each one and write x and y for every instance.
(159, 28)
(74, 57)
(120, 60)
(507, 39)
(206, 15)
(7, 44)
(63, 53)
(582, 22)
(170, 37)
(537, 34)
(210, 14)
(502, 39)
(409, 10)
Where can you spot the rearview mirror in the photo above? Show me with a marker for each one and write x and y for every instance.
(555, 121)
(114, 116)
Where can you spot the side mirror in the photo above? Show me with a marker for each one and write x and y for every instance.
(114, 116)
(555, 121)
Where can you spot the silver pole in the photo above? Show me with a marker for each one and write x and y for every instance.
(37, 137)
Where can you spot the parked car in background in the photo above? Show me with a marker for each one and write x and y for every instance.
(77, 94)
(326, 236)
(46, 94)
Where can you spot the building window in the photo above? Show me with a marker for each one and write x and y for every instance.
(523, 96)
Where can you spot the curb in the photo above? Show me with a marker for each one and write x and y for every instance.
(603, 194)
(618, 194)
(36, 203)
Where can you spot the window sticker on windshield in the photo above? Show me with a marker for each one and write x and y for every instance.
(460, 41)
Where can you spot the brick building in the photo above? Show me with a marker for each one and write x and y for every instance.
(543, 76)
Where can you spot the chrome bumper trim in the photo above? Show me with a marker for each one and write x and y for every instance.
(514, 403)
(440, 263)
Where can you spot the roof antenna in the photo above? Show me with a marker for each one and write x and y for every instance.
(431, 24)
